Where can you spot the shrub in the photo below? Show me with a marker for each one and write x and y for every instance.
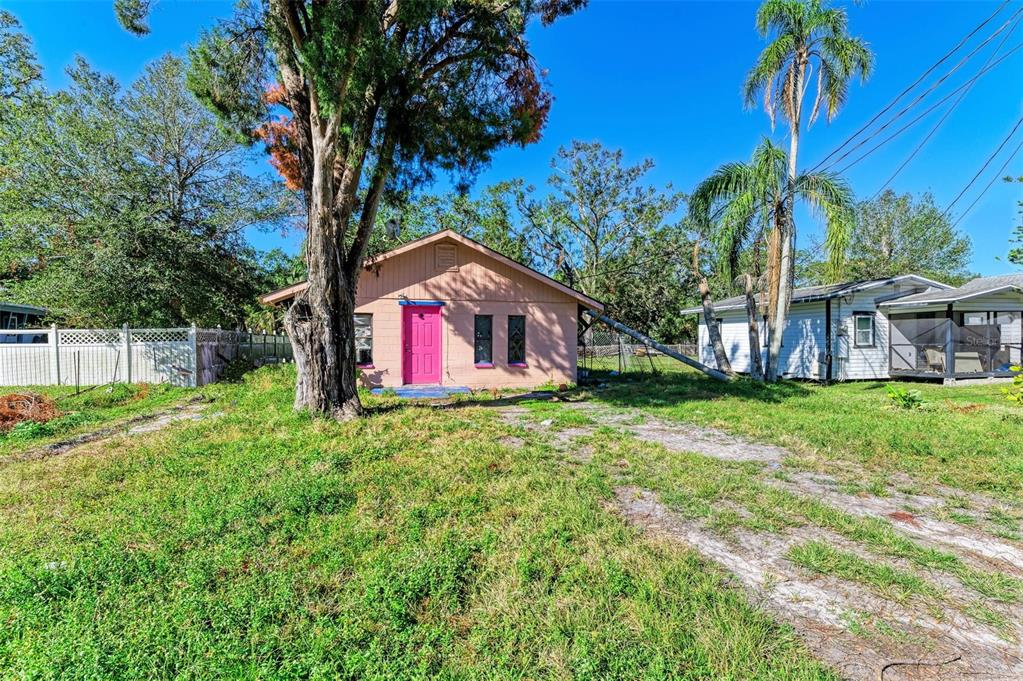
(1015, 393)
(904, 398)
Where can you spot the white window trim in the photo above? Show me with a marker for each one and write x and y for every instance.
(857, 316)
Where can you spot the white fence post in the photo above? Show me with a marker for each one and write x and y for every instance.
(55, 359)
(127, 352)
(195, 357)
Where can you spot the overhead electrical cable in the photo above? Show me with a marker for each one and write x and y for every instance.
(984, 166)
(944, 117)
(965, 86)
(824, 164)
(919, 80)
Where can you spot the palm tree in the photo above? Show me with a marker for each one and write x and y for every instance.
(743, 206)
(806, 38)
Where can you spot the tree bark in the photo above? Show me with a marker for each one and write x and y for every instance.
(321, 320)
(708, 316)
(756, 368)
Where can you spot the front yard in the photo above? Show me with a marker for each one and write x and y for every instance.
(594, 536)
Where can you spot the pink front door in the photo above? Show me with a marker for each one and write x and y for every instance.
(420, 333)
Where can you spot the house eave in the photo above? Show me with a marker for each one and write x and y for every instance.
(952, 299)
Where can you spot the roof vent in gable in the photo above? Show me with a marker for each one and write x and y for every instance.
(445, 257)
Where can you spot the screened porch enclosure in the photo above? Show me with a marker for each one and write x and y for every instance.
(955, 343)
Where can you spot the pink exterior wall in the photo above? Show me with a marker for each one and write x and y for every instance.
(481, 285)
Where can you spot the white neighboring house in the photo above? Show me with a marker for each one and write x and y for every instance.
(903, 326)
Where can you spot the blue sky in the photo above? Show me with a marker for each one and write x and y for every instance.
(662, 80)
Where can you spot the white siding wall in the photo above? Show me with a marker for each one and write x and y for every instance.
(735, 338)
(802, 341)
(851, 362)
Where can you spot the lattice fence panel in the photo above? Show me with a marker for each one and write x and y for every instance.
(89, 336)
(180, 356)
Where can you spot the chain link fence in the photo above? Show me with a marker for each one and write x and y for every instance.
(604, 351)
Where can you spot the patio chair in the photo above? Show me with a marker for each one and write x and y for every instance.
(935, 359)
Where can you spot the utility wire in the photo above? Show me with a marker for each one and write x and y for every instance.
(965, 86)
(984, 167)
(824, 164)
(986, 188)
(919, 80)
(947, 113)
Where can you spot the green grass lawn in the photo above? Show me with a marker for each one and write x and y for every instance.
(413, 543)
(88, 410)
(969, 437)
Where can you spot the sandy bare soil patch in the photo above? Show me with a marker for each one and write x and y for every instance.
(951, 632)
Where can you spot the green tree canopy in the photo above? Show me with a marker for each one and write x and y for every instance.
(1016, 251)
(130, 205)
(596, 226)
(379, 95)
(901, 234)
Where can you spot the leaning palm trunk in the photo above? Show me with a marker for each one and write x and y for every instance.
(756, 368)
(708, 317)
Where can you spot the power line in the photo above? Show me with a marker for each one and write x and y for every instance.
(919, 80)
(984, 167)
(824, 164)
(965, 86)
(988, 186)
(948, 113)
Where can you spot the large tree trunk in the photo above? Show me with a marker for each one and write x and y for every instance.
(708, 317)
(756, 368)
(321, 321)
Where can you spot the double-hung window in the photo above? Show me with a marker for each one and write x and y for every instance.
(483, 335)
(364, 340)
(864, 329)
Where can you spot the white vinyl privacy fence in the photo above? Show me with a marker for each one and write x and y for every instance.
(180, 356)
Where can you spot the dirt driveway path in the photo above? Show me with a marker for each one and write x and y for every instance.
(137, 425)
(880, 585)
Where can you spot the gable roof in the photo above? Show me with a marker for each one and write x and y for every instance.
(289, 292)
(811, 294)
(975, 287)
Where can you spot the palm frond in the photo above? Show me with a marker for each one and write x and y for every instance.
(831, 199)
(734, 230)
(771, 61)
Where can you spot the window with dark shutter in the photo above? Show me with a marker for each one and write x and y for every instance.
(484, 339)
(516, 339)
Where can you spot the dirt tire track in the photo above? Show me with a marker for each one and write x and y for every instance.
(954, 646)
(136, 425)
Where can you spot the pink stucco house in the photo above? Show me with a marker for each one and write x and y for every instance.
(446, 310)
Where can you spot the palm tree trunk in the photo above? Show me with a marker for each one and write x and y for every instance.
(756, 368)
(708, 316)
(787, 247)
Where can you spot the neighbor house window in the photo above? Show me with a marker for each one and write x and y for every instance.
(516, 339)
(364, 339)
(484, 340)
(864, 330)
